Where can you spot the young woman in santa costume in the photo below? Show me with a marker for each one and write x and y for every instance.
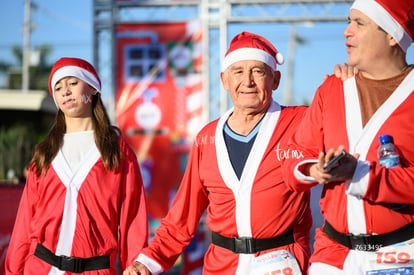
(84, 200)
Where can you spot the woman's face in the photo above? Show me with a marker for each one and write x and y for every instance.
(74, 97)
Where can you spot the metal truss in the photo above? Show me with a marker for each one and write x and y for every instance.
(216, 16)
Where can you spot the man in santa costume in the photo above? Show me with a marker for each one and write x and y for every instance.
(259, 225)
(84, 202)
(364, 232)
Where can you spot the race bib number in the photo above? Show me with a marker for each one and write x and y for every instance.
(393, 260)
(280, 262)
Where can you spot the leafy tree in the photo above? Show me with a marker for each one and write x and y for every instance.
(16, 145)
(39, 74)
(18, 137)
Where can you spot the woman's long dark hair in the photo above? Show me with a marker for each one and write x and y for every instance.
(106, 139)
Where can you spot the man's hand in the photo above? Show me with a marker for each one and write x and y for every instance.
(341, 172)
(343, 71)
(137, 269)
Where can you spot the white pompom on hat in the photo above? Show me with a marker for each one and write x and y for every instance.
(70, 66)
(250, 46)
(394, 17)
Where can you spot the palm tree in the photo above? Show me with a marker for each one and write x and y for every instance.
(39, 74)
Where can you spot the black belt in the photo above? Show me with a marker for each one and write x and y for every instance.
(366, 242)
(72, 264)
(249, 245)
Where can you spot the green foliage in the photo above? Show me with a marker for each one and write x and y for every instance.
(18, 138)
(16, 148)
(39, 75)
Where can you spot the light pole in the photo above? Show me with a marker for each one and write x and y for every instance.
(26, 46)
(293, 40)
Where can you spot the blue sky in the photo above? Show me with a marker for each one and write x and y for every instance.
(64, 25)
(67, 27)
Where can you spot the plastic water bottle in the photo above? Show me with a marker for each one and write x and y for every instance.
(388, 155)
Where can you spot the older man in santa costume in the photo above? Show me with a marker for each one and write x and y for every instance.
(259, 225)
(368, 208)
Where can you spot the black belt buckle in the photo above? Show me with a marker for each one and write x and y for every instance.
(243, 245)
(362, 242)
(72, 264)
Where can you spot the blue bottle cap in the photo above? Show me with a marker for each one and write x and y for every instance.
(385, 139)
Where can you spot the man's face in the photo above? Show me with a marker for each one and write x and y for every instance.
(366, 43)
(250, 84)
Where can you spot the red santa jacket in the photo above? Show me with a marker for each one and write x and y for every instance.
(359, 206)
(85, 213)
(259, 205)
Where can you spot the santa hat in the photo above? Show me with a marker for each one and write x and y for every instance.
(394, 17)
(250, 46)
(69, 66)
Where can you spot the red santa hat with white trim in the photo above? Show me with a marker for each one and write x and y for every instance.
(394, 17)
(70, 66)
(250, 46)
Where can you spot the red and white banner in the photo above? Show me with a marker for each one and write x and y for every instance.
(159, 105)
(159, 101)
